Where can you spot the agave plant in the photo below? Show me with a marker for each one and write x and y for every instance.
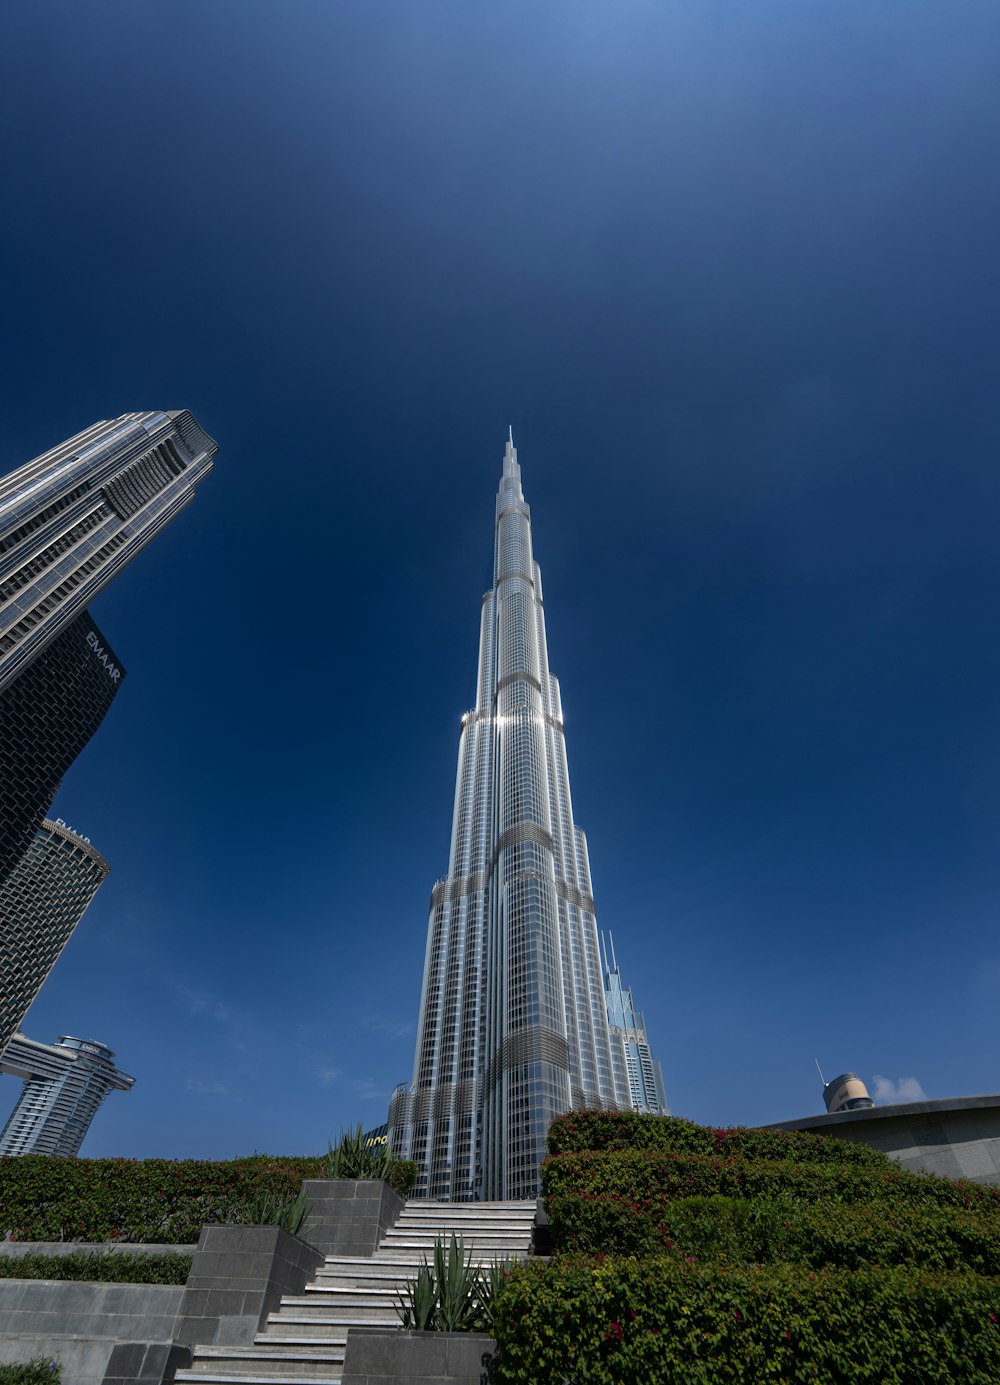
(352, 1158)
(268, 1209)
(418, 1301)
(450, 1294)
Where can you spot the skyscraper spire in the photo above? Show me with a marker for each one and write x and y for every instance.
(514, 1026)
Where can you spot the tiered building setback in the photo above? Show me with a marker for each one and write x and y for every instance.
(513, 1027)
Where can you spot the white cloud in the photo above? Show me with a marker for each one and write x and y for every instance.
(206, 1088)
(198, 1003)
(889, 1093)
(392, 1029)
(368, 1091)
(327, 1076)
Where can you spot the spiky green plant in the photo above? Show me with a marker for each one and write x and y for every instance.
(492, 1278)
(418, 1300)
(352, 1158)
(268, 1209)
(450, 1293)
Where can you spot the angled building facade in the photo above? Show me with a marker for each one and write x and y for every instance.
(42, 900)
(69, 522)
(513, 1026)
(64, 1084)
(47, 716)
(640, 1070)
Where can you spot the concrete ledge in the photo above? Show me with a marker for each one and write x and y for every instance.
(391, 1356)
(13, 1250)
(958, 1137)
(61, 1307)
(349, 1216)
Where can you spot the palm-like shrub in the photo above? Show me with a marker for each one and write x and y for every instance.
(270, 1209)
(353, 1158)
(450, 1294)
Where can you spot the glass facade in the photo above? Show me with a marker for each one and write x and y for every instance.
(64, 1085)
(633, 1054)
(41, 902)
(513, 1027)
(69, 522)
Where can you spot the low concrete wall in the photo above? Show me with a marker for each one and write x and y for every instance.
(95, 1360)
(349, 1216)
(958, 1137)
(83, 1326)
(122, 1312)
(390, 1356)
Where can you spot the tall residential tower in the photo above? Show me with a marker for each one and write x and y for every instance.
(42, 900)
(64, 1084)
(513, 1026)
(69, 522)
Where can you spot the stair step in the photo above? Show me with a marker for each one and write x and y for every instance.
(336, 1341)
(225, 1378)
(284, 1351)
(320, 1325)
(316, 1363)
(333, 1299)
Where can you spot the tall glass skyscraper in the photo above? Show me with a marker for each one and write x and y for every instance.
(513, 1026)
(64, 1085)
(69, 522)
(42, 900)
(628, 1034)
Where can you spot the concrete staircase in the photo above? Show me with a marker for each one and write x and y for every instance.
(303, 1343)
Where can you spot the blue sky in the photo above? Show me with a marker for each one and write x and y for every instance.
(730, 271)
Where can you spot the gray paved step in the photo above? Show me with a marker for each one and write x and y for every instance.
(316, 1362)
(260, 1378)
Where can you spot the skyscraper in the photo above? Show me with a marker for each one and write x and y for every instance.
(47, 716)
(513, 1025)
(628, 1035)
(42, 900)
(69, 522)
(64, 1085)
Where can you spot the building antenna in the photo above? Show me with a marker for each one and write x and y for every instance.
(510, 434)
(820, 1071)
(611, 940)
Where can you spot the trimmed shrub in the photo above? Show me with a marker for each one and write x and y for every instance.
(39, 1371)
(159, 1200)
(402, 1176)
(587, 1192)
(774, 1230)
(681, 1323)
(99, 1267)
(620, 1130)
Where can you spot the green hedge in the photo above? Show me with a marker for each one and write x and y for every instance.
(644, 1182)
(670, 1321)
(621, 1130)
(159, 1200)
(46, 1199)
(39, 1371)
(772, 1230)
(99, 1267)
